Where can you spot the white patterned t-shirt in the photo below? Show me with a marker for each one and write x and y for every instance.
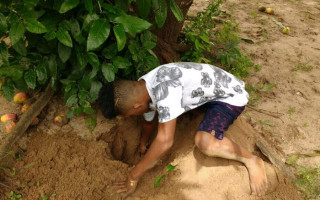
(175, 88)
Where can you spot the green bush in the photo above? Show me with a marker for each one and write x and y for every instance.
(214, 39)
(77, 45)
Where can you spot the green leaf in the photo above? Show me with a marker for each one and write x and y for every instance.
(88, 5)
(176, 10)
(94, 71)
(8, 90)
(90, 122)
(247, 40)
(21, 85)
(107, 72)
(3, 23)
(123, 4)
(3, 52)
(64, 37)
(88, 20)
(93, 59)
(72, 100)
(94, 90)
(14, 71)
(50, 35)
(265, 122)
(292, 160)
(41, 72)
(110, 51)
(149, 45)
(65, 24)
(52, 65)
(68, 5)
(30, 13)
(81, 57)
(170, 168)
(75, 31)
(83, 94)
(31, 77)
(144, 8)
(121, 62)
(158, 180)
(70, 113)
(120, 36)
(132, 24)
(268, 87)
(84, 103)
(98, 34)
(64, 52)
(20, 48)
(35, 26)
(160, 11)
(16, 32)
(30, 3)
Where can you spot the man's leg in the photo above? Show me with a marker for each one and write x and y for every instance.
(226, 148)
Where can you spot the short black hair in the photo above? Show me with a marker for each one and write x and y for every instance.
(106, 101)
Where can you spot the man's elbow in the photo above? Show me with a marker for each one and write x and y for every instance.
(166, 144)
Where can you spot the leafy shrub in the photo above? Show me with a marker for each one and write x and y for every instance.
(215, 40)
(76, 45)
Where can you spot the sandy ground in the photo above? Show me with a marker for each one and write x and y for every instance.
(81, 167)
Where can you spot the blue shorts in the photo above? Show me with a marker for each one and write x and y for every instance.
(218, 117)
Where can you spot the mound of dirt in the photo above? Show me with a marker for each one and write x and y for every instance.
(75, 168)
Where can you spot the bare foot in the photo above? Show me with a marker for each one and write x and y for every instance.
(258, 177)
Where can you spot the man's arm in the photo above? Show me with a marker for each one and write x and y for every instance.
(158, 148)
(161, 144)
(147, 128)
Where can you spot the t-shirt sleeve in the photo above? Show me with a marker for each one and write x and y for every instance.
(148, 116)
(170, 107)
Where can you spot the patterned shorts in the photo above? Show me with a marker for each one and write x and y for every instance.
(218, 117)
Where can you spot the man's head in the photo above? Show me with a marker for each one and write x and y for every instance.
(123, 98)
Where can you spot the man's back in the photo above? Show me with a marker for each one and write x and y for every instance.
(178, 87)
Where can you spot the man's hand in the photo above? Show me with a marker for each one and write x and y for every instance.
(126, 188)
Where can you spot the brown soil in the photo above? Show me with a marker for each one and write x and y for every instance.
(73, 163)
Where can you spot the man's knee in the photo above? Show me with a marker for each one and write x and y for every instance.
(205, 141)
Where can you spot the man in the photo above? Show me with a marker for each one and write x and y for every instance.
(170, 90)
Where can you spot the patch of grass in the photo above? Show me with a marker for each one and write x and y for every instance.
(14, 196)
(307, 178)
(305, 124)
(302, 66)
(291, 111)
(44, 197)
(264, 33)
(308, 181)
(255, 15)
(91, 122)
(214, 39)
(271, 132)
(263, 21)
(266, 122)
(254, 91)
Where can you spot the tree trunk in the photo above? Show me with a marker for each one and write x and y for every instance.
(167, 45)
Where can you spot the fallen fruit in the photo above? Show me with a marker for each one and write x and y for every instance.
(60, 120)
(10, 126)
(7, 117)
(20, 97)
(25, 108)
(35, 121)
(286, 30)
(262, 8)
(269, 11)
